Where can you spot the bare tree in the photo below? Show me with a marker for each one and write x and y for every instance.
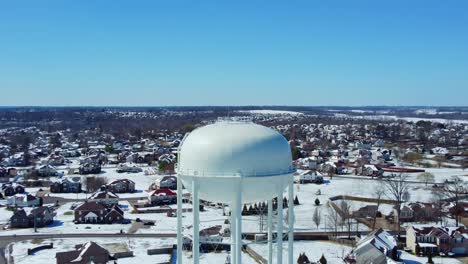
(346, 216)
(317, 217)
(437, 200)
(397, 189)
(454, 190)
(94, 183)
(333, 218)
(379, 193)
(426, 177)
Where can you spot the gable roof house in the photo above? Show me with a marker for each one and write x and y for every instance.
(10, 189)
(121, 186)
(162, 197)
(128, 167)
(56, 160)
(378, 246)
(367, 211)
(23, 200)
(47, 170)
(413, 212)
(167, 182)
(24, 218)
(90, 168)
(105, 197)
(211, 235)
(66, 185)
(422, 239)
(84, 254)
(96, 213)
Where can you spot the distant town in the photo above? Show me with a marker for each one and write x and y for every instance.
(98, 185)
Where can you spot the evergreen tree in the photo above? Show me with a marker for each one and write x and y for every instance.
(323, 260)
(317, 202)
(296, 201)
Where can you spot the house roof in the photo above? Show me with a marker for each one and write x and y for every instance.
(211, 231)
(127, 181)
(85, 251)
(380, 239)
(162, 192)
(90, 206)
(103, 195)
(437, 230)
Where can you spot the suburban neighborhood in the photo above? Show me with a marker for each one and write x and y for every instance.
(380, 190)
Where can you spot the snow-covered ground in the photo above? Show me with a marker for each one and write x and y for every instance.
(272, 112)
(142, 183)
(412, 259)
(139, 246)
(393, 117)
(356, 186)
(334, 253)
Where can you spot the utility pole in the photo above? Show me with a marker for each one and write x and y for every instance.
(35, 216)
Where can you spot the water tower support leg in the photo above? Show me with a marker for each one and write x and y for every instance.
(180, 236)
(279, 232)
(196, 223)
(239, 226)
(270, 231)
(291, 222)
(233, 233)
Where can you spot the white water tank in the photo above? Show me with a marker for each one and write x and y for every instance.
(227, 156)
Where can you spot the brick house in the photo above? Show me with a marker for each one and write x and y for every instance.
(84, 254)
(23, 218)
(162, 197)
(96, 213)
(422, 239)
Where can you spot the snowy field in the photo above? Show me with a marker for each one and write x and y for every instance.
(334, 253)
(412, 259)
(271, 112)
(139, 246)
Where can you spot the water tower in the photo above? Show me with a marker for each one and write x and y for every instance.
(236, 162)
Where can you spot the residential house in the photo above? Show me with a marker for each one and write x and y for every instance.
(422, 239)
(166, 182)
(121, 186)
(162, 197)
(92, 212)
(10, 189)
(84, 254)
(370, 170)
(66, 185)
(56, 160)
(211, 235)
(23, 200)
(367, 211)
(415, 212)
(3, 172)
(90, 168)
(47, 170)
(105, 197)
(24, 218)
(311, 176)
(128, 167)
(379, 247)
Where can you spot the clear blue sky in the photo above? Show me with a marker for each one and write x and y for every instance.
(169, 52)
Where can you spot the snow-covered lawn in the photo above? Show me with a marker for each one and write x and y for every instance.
(272, 112)
(334, 253)
(139, 246)
(412, 259)
(5, 215)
